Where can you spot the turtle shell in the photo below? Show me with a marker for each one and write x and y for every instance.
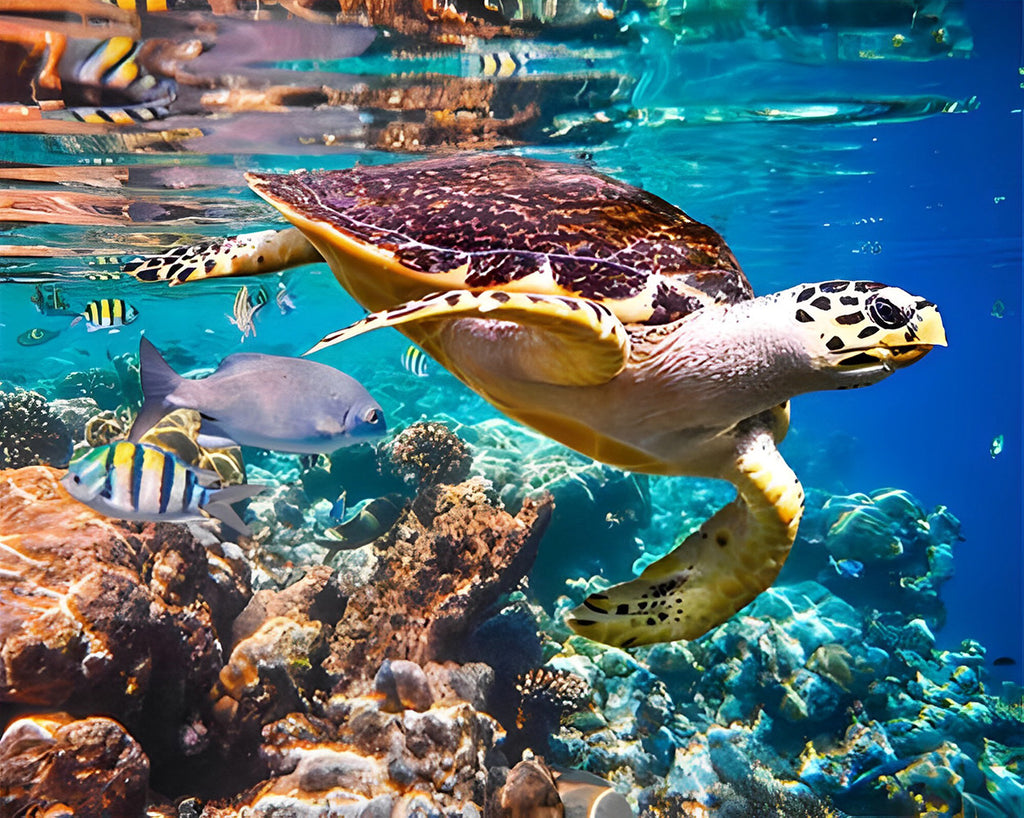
(519, 224)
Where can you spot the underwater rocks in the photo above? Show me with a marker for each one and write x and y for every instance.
(30, 432)
(276, 646)
(879, 551)
(446, 560)
(601, 509)
(57, 765)
(842, 709)
(102, 617)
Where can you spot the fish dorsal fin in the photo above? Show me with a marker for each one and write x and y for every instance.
(158, 381)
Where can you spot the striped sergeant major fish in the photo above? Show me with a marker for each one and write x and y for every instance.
(415, 362)
(138, 481)
(107, 313)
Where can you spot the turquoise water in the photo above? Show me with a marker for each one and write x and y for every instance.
(818, 151)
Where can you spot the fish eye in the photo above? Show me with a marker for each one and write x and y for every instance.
(886, 314)
(76, 479)
(373, 416)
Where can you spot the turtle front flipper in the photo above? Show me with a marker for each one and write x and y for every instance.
(558, 340)
(266, 251)
(715, 571)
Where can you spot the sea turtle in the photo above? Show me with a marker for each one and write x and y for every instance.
(606, 318)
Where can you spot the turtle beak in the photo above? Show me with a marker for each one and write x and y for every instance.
(896, 348)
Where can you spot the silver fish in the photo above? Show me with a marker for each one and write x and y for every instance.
(265, 401)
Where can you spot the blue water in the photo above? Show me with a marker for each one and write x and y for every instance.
(813, 168)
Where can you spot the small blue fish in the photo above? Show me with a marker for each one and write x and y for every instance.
(415, 362)
(338, 508)
(107, 313)
(847, 568)
(138, 481)
(38, 335)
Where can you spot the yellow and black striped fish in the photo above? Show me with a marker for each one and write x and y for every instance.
(107, 313)
(497, 64)
(415, 362)
(137, 481)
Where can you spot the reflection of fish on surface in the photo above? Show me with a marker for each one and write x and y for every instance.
(107, 313)
(138, 481)
(265, 401)
(414, 361)
(37, 335)
(87, 69)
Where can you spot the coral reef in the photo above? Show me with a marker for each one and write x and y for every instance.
(101, 617)
(854, 707)
(906, 552)
(159, 629)
(59, 765)
(100, 385)
(425, 453)
(445, 561)
(411, 674)
(601, 509)
(30, 432)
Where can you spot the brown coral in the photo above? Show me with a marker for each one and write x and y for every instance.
(56, 765)
(438, 569)
(105, 617)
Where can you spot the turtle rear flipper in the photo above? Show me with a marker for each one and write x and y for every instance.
(564, 341)
(266, 251)
(718, 569)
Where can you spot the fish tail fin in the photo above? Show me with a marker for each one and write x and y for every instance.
(158, 381)
(218, 504)
(75, 320)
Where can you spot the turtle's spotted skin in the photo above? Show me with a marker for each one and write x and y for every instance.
(502, 221)
(607, 319)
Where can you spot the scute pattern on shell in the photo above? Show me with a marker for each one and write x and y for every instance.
(505, 218)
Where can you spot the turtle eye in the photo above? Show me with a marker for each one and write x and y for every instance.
(886, 314)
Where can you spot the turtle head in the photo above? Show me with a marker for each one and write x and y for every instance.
(860, 332)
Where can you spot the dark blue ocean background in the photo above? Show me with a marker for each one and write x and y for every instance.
(810, 169)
